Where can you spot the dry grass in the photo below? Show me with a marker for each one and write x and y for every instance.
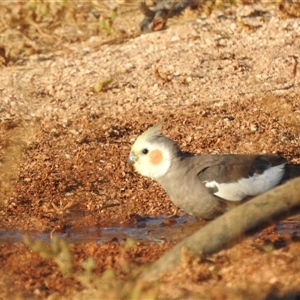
(41, 26)
(33, 27)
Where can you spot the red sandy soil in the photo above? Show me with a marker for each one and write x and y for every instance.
(223, 88)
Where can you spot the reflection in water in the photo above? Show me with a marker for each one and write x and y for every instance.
(144, 230)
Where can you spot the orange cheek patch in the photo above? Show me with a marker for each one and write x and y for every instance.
(156, 157)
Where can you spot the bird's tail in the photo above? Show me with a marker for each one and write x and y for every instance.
(291, 171)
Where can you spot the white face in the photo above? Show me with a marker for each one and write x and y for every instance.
(149, 159)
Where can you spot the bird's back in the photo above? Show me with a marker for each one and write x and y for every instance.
(202, 184)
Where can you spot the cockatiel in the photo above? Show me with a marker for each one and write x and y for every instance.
(205, 185)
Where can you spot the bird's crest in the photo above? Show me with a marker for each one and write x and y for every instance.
(152, 131)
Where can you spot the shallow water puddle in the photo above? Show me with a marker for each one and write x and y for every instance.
(292, 228)
(144, 230)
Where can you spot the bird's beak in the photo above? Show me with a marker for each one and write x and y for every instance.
(132, 158)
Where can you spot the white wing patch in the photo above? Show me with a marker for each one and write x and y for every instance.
(251, 186)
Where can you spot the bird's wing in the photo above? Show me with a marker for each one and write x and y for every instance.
(235, 177)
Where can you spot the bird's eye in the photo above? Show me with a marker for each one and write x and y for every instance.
(145, 151)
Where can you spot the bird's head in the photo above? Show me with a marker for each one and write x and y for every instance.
(151, 155)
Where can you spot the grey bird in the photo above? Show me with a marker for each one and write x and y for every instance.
(206, 186)
(157, 17)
